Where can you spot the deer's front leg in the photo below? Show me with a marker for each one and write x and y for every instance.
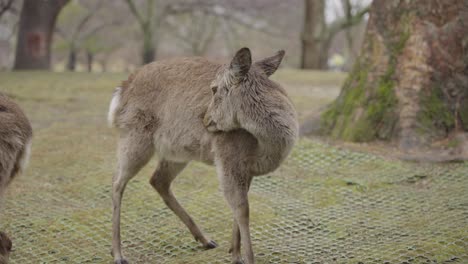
(235, 249)
(235, 191)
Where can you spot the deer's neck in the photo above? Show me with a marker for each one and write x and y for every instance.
(276, 135)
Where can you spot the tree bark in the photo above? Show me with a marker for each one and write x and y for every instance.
(410, 82)
(37, 22)
(313, 54)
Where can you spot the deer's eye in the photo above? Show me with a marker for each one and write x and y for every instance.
(214, 89)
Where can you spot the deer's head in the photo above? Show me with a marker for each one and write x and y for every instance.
(238, 82)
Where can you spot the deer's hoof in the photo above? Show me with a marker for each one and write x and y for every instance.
(239, 261)
(211, 244)
(121, 261)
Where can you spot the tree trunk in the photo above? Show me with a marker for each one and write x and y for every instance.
(148, 45)
(90, 60)
(410, 82)
(103, 64)
(71, 64)
(148, 54)
(37, 24)
(313, 55)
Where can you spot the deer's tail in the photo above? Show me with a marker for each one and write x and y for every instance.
(116, 99)
(23, 160)
(114, 104)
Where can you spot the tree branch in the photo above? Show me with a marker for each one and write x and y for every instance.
(5, 7)
(60, 32)
(135, 12)
(99, 28)
(85, 20)
(218, 10)
(176, 33)
(348, 20)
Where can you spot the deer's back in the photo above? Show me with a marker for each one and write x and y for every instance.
(168, 99)
(15, 133)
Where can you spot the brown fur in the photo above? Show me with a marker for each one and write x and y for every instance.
(15, 136)
(187, 109)
(5, 248)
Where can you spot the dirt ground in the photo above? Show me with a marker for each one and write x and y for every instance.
(327, 204)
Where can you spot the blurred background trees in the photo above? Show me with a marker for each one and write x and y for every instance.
(5, 5)
(119, 35)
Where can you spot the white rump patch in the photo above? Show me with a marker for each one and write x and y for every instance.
(113, 106)
(24, 159)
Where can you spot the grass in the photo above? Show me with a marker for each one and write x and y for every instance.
(325, 205)
(310, 90)
(310, 77)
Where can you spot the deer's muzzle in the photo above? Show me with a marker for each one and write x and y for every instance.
(209, 123)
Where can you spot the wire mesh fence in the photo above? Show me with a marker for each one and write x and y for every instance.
(324, 205)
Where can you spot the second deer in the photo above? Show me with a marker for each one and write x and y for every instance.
(15, 145)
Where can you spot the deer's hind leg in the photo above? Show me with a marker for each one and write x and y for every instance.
(162, 178)
(135, 150)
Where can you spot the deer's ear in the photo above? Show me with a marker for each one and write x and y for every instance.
(270, 65)
(240, 64)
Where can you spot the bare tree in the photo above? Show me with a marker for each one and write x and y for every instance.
(100, 48)
(317, 34)
(5, 5)
(195, 30)
(76, 33)
(225, 10)
(37, 23)
(204, 15)
(148, 25)
(233, 21)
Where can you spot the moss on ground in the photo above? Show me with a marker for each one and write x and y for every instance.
(324, 205)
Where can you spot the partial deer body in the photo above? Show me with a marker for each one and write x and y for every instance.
(232, 116)
(15, 145)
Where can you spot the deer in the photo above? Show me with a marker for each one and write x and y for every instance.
(15, 148)
(232, 116)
